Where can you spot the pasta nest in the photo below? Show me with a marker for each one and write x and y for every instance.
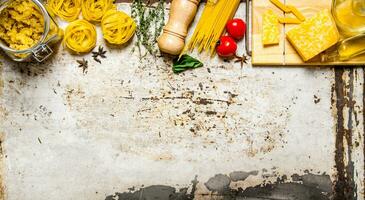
(94, 10)
(68, 10)
(117, 27)
(80, 36)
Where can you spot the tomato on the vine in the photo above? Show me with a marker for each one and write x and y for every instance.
(236, 28)
(226, 46)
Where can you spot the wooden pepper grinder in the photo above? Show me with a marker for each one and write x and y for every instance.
(182, 13)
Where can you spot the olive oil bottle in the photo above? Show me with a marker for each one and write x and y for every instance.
(350, 19)
(351, 47)
(349, 16)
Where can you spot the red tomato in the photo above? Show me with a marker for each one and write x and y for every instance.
(236, 28)
(226, 46)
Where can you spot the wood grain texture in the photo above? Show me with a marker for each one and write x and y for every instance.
(2, 182)
(265, 56)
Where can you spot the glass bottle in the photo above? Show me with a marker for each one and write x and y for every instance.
(349, 16)
(41, 50)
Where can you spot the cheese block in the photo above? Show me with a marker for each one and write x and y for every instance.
(314, 35)
(270, 28)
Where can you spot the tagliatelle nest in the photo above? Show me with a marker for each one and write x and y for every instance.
(80, 36)
(117, 27)
(94, 10)
(68, 10)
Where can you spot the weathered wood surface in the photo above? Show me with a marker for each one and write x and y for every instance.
(130, 126)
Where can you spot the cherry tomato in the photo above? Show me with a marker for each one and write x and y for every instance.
(226, 46)
(236, 28)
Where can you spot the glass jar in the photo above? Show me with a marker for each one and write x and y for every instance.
(41, 50)
(349, 16)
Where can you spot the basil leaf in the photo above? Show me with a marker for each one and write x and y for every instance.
(184, 63)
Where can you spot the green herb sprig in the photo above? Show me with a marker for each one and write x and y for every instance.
(150, 21)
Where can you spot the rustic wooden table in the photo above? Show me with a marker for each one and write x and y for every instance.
(131, 129)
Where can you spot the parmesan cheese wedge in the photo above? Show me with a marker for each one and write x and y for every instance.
(314, 35)
(270, 28)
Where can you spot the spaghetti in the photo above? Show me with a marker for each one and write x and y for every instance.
(117, 27)
(211, 25)
(212, 1)
(80, 36)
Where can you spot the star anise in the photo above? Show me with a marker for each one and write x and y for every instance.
(100, 53)
(242, 60)
(83, 64)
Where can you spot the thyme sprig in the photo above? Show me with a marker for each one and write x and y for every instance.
(150, 21)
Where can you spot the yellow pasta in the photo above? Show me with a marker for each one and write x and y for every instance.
(68, 10)
(212, 1)
(94, 10)
(280, 5)
(289, 20)
(211, 25)
(80, 36)
(117, 27)
(297, 13)
(21, 24)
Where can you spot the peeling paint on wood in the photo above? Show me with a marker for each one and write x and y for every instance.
(1, 79)
(246, 133)
(158, 192)
(305, 187)
(2, 119)
(363, 136)
(2, 165)
(345, 187)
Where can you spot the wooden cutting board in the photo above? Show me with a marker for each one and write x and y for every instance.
(284, 53)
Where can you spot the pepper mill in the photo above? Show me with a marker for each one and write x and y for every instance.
(182, 13)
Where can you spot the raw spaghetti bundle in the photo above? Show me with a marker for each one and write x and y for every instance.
(80, 36)
(68, 10)
(211, 25)
(94, 10)
(117, 27)
(212, 2)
